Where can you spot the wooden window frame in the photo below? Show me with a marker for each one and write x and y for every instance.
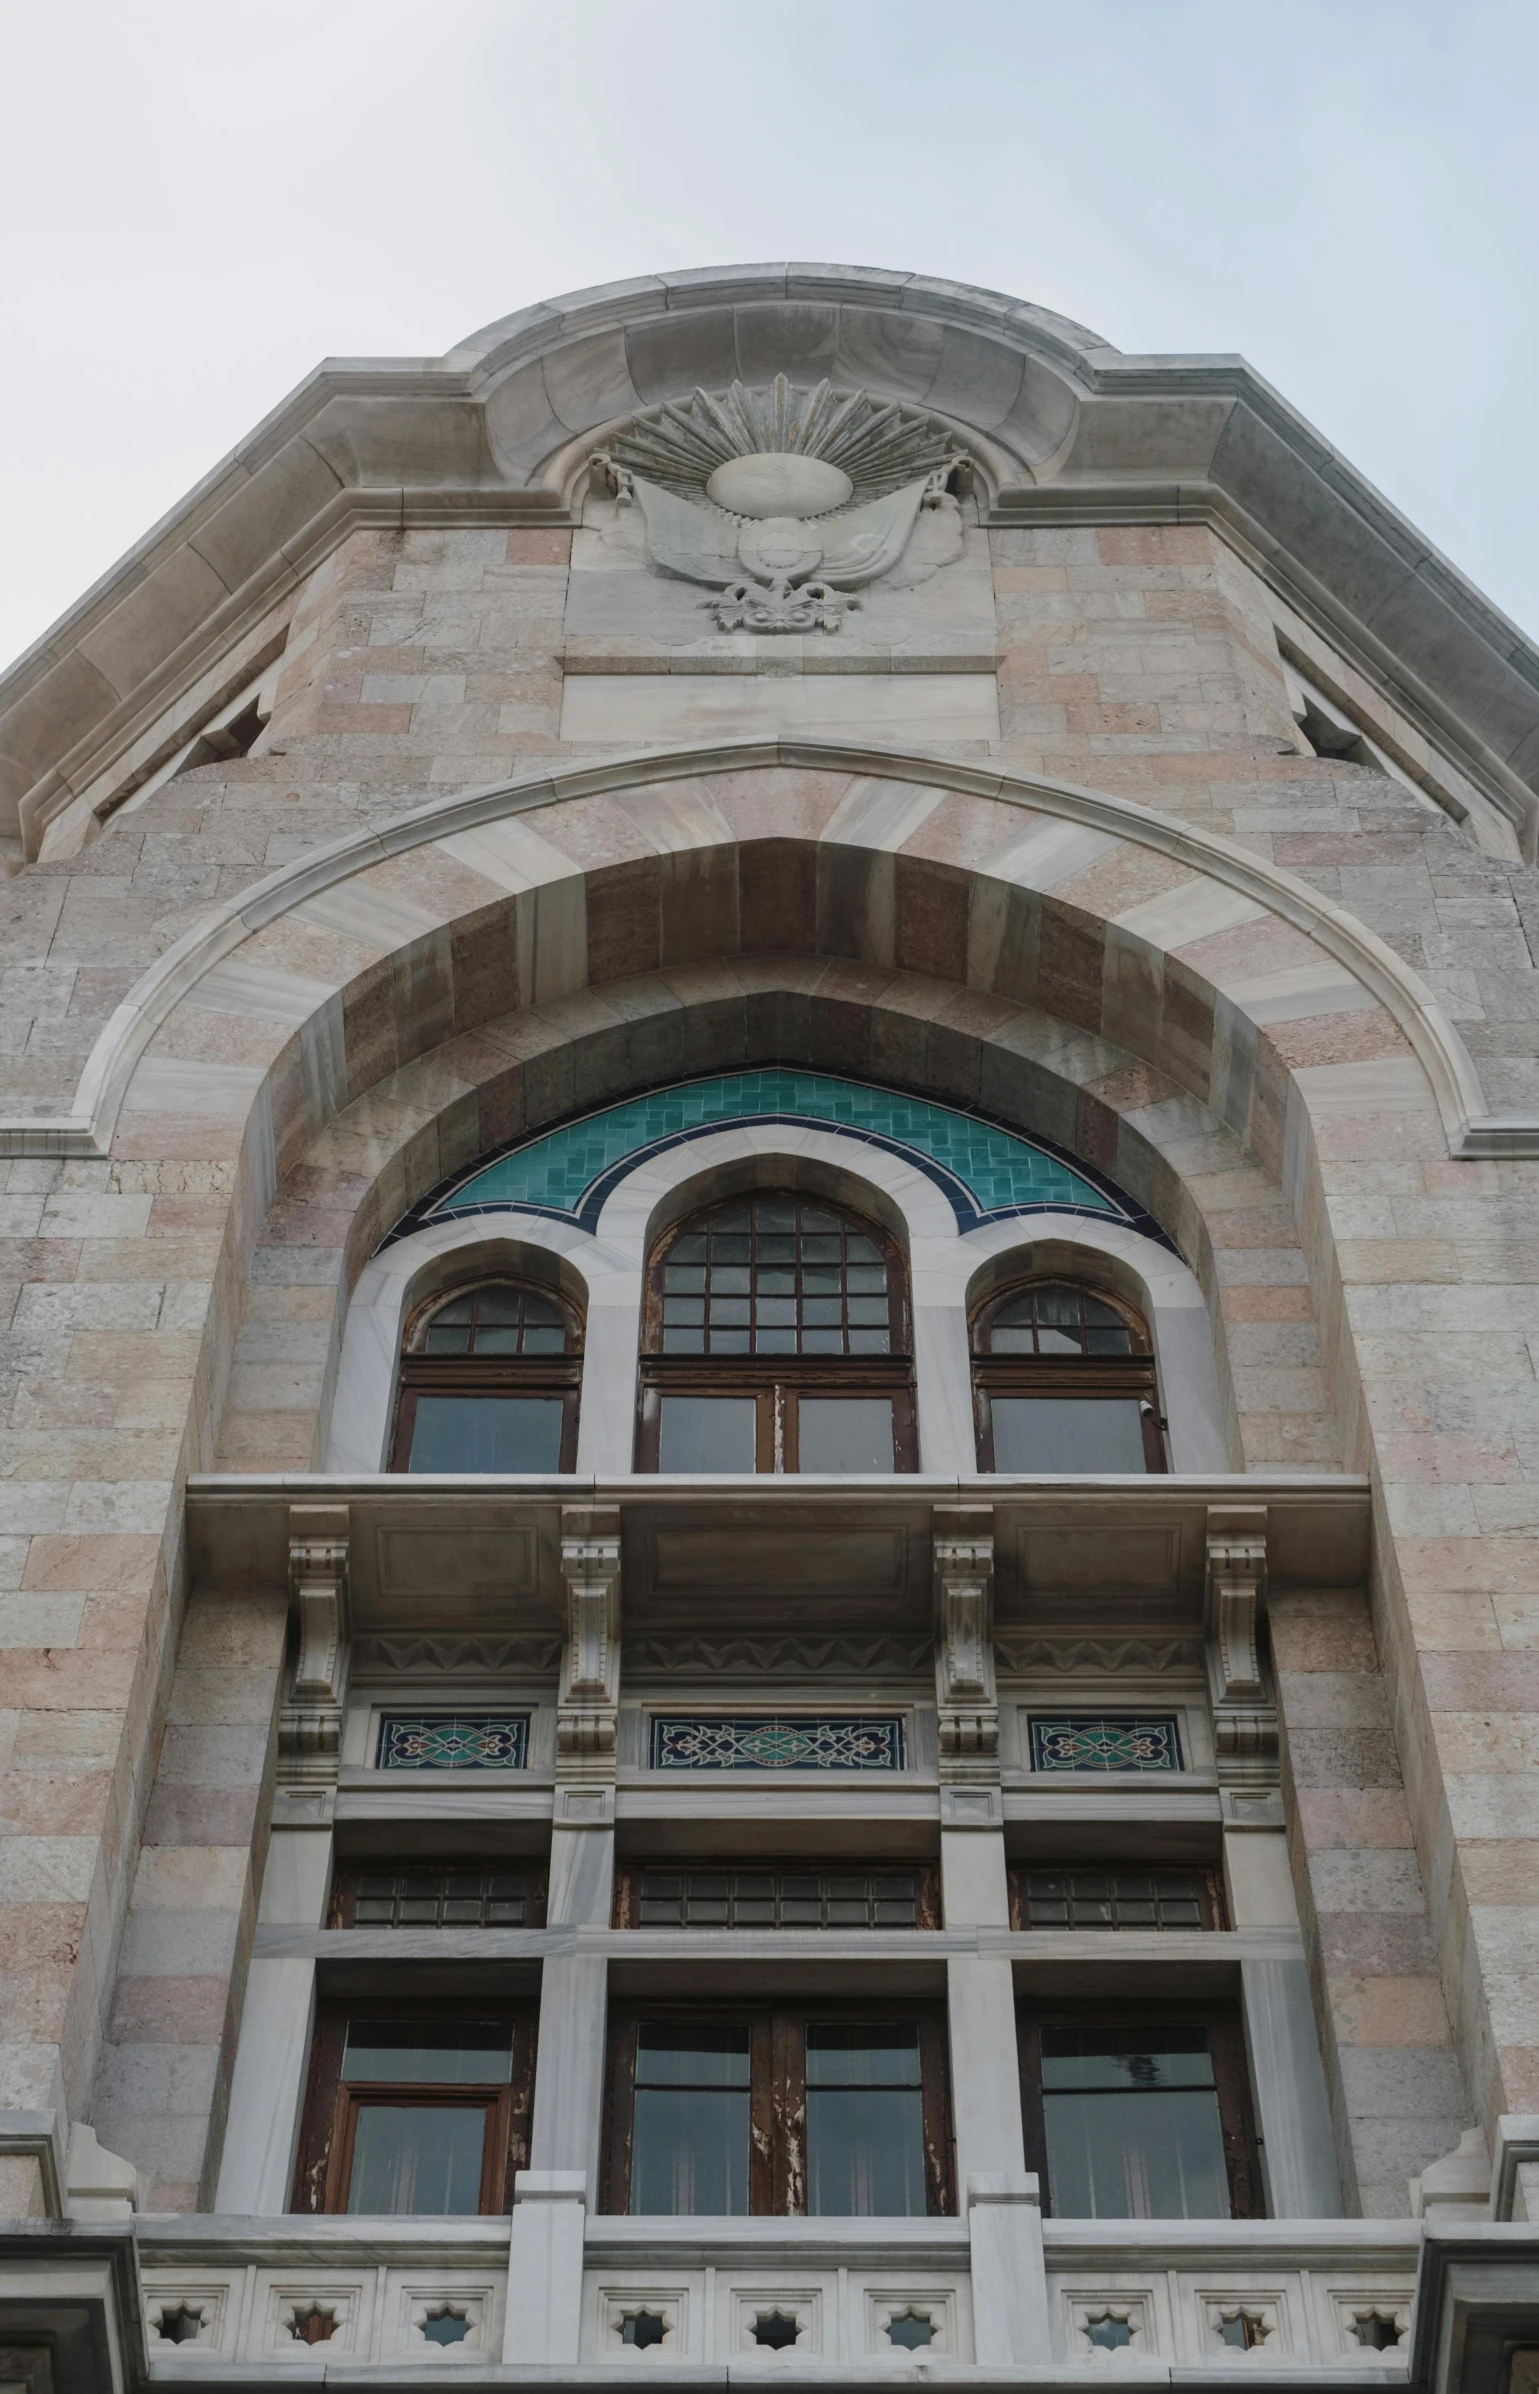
(1226, 2043)
(1065, 1375)
(776, 1382)
(329, 2126)
(1209, 1890)
(347, 1874)
(473, 1375)
(777, 2136)
(629, 1874)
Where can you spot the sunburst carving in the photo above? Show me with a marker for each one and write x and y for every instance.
(878, 446)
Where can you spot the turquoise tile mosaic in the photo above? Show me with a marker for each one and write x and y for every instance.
(569, 1171)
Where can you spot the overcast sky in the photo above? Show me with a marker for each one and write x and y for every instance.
(199, 201)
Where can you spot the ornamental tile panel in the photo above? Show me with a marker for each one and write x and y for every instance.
(1105, 1741)
(772, 1742)
(453, 1741)
(985, 1168)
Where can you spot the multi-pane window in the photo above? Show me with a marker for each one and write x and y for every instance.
(436, 1895)
(832, 2112)
(775, 1896)
(1139, 2112)
(1063, 1381)
(776, 1338)
(1078, 1898)
(415, 2108)
(490, 1380)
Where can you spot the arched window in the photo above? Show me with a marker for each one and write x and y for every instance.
(1063, 1381)
(776, 1338)
(490, 1379)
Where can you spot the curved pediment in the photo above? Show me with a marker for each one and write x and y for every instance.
(1061, 429)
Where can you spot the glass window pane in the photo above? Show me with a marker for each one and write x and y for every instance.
(1068, 1434)
(1133, 2128)
(1136, 2156)
(707, 1433)
(436, 2052)
(502, 1304)
(689, 2137)
(1114, 2058)
(418, 2157)
(692, 2053)
(881, 2054)
(447, 1338)
(689, 2152)
(865, 2122)
(490, 1433)
(845, 1433)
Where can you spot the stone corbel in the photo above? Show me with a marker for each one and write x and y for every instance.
(1244, 1716)
(966, 1696)
(587, 1708)
(310, 1725)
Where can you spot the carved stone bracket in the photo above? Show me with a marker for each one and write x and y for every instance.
(310, 1723)
(587, 1709)
(1244, 1716)
(965, 1691)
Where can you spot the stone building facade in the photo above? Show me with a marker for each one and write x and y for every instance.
(768, 1210)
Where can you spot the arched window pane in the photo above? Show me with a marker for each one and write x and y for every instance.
(775, 1277)
(776, 1339)
(490, 1384)
(1064, 1381)
(1057, 1319)
(500, 1319)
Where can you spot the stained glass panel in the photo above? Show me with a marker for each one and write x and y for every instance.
(1105, 1742)
(458, 1741)
(771, 1742)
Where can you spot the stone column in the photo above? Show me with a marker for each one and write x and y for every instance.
(980, 1991)
(574, 1988)
(1397, 2098)
(165, 2072)
(267, 2093)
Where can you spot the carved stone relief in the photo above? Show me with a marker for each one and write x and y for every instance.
(310, 1721)
(787, 503)
(964, 1644)
(1244, 1715)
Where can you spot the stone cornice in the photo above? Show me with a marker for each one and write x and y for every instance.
(1471, 1130)
(1064, 428)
